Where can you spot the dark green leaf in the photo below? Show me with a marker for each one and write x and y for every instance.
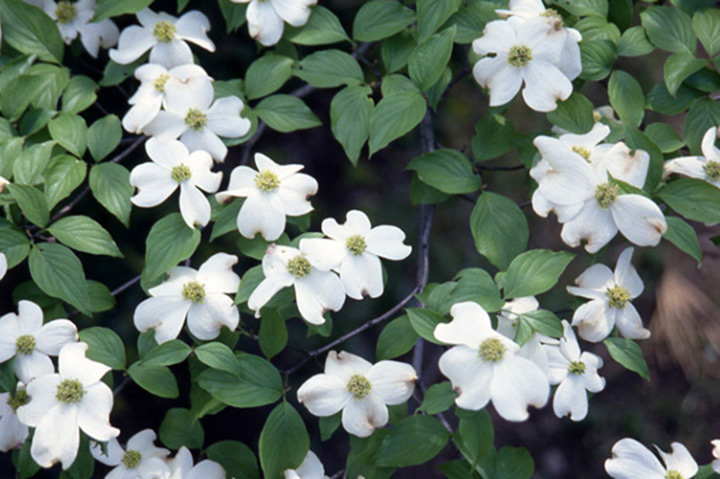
(169, 242)
(84, 234)
(284, 441)
(694, 199)
(499, 228)
(286, 113)
(396, 339)
(380, 19)
(534, 272)
(104, 346)
(59, 273)
(415, 440)
(180, 428)
(684, 237)
(628, 354)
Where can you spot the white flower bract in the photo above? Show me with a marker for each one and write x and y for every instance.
(361, 390)
(706, 167)
(533, 349)
(716, 455)
(266, 18)
(133, 462)
(632, 460)
(13, 433)
(310, 468)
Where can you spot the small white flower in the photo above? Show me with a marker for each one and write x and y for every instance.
(311, 468)
(200, 295)
(132, 462)
(150, 97)
(575, 372)
(485, 366)
(716, 455)
(24, 337)
(63, 403)
(273, 192)
(74, 18)
(265, 17)
(316, 290)
(354, 251)
(182, 467)
(534, 348)
(359, 389)
(610, 305)
(602, 208)
(191, 115)
(12, 432)
(172, 166)
(523, 53)
(706, 167)
(632, 460)
(165, 36)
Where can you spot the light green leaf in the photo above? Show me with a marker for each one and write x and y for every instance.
(267, 74)
(574, 114)
(396, 52)
(583, 8)
(396, 339)
(706, 24)
(534, 272)
(284, 441)
(471, 19)
(474, 435)
(236, 458)
(350, 112)
(64, 174)
(508, 463)
(255, 383)
(218, 356)
(703, 114)
(273, 335)
(393, 117)
(415, 440)
(31, 202)
(59, 273)
(158, 380)
(626, 97)
(634, 43)
(424, 321)
(446, 170)
(104, 136)
(169, 242)
(682, 235)
(694, 199)
(167, 354)
(322, 28)
(104, 346)
(664, 136)
(233, 13)
(597, 59)
(428, 60)
(110, 184)
(29, 30)
(71, 132)
(438, 398)
(285, 113)
(84, 234)
(629, 355)
(678, 67)
(329, 69)
(79, 95)
(380, 19)
(18, 94)
(669, 29)
(28, 170)
(544, 322)
(499, 228)
(432, 14)
(14, 244)
(115, 8)
(397, 83)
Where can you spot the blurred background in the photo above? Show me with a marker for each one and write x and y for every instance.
(679, 305)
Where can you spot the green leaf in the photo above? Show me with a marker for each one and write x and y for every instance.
(499, 228)
(322, 28)
(684, 237)
(273, 335)
(509, 463)
(29, 168)
(474, 435)
(597, 59)
(29, 30)
(233, 13)
(424, 321)
(393, 117)
(169, 242)
(584, 7)
(446, 170)
(664, 136)
(31, 202)
(255, 383)
(329, 69)
(494, 135)
(703, 114)
(396, 339)
(64, 174)
(226, 220)
(350, 112)
(71, 132)
(380, 19)
(544, 322)
(180, 428)
(415, 440)
(284, 441)
(110, 184)
(286, 113)
(396, 52)
(628, 354)
(694, 199)
(104, 346)
(598, 28)
(166, 354)
(471, 19)
(115, 8)
(574, 114)
(706, 24)
(534, 272)
(19, 93)
(104, 136)
(428, 60)
(84, 234)
(217, 356)
(669, 29)
(59, 273)
(397, 83)
(236, 458)
(158, 380)
(79, 95)
(634, 43)
(328, 425)
(14, 244)
(432, 14)
(678, 67)
(438, 398)
(471, 284)
(267, 74)
(626, 97)
(101, 299)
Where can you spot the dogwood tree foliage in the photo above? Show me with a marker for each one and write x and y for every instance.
(603, 168)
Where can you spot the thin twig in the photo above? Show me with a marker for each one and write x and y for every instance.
(480, 166)
(128, 150)
(125, 286)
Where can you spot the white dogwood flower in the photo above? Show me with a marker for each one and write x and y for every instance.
(3, 265)
(706, 167)
(133, 462)
(273, 192)
(165, 36)
(266, 18)
(361, 390)
(485, 366)
(603, 208)
(632, 460)
(61, 404)
(508, 318)
(173, 167)
(354, 251)
(523, 53)
(74, 18)
(200, 295)
(192, 116)
(150, 97)
(316, 290)
(610, 294)
(12, 432)
(310, 468)
(574, 372)
(24, 337)
(716, 454)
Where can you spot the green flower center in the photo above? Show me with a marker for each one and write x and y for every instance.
(20, 398)
(584, 152)
(577, 368)
(606, 194)
(266, 180)
(712, 170)
(617, 296)
(359, 386)
(299, 266)
(196, 119)
(673, 474)
(25, 344)
(519, 56)
(131, 459)
(491, 350)
(194, 292)
(65, 12)
(164, 31)
(160, 82)
(70, 391)
(180, 173)
(356, 244)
